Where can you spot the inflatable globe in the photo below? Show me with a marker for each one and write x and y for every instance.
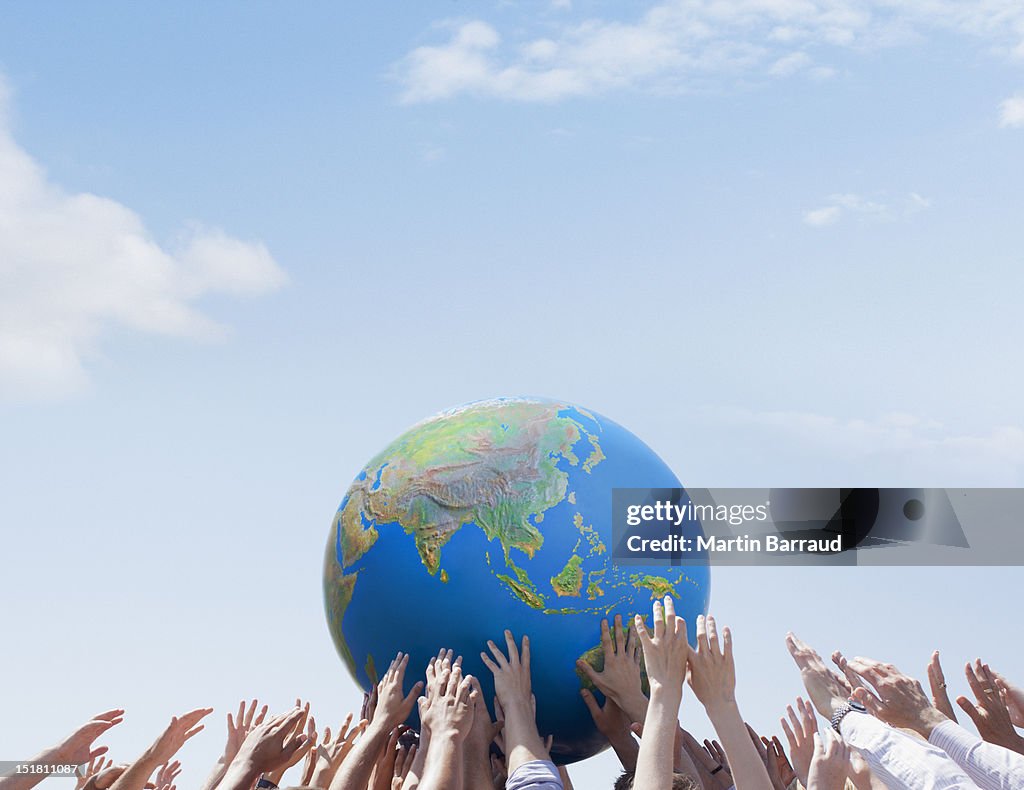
(489, 516)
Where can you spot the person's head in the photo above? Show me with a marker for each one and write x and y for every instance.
(679, 782)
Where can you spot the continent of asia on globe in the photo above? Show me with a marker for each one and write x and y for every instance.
(494, 515)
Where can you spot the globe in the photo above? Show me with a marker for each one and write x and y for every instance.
(495, 515)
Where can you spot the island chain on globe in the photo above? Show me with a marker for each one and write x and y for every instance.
(495, 515)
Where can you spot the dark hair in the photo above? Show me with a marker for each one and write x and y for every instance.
(679, 782)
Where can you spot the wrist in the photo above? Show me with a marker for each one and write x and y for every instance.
(722, 708)
(928, 720)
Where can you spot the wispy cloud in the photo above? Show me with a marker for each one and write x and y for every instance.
(75, 265)
(1011, 112)
(921, 451)
(849, 203)
(679, 44)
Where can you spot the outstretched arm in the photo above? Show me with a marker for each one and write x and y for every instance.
(713, 679)
(392, 709)
(162, 750)
(665, 654)
(512, 685)
(450, 717)
(76, 749)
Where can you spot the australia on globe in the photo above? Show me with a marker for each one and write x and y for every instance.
(496, 515)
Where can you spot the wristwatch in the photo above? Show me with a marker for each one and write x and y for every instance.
(265, 784)
(848, 706)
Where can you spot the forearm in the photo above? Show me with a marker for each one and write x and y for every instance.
(522, 740)
(626, 750)
(216, 775)
(239, 775)
(49, 756)
(443, 767)
(355, 771)
(745, 763)
(655, 759)
(138, 773)
(476, 765)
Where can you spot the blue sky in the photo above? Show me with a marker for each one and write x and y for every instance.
(242, 246)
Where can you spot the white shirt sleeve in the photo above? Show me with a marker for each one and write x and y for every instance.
(535, 775)
(900, 760)
(991, 767)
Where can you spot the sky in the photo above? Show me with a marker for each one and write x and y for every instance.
(244, 245)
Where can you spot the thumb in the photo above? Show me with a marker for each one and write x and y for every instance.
(588, 670)
(637, 728)
(969, 709)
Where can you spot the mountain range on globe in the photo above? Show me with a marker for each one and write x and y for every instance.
(494, 515)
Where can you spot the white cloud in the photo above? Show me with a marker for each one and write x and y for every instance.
(850, 203)
(790, 64)
(75, 265)
(923, 452)
(1011, 112)
(822, 216)
(681, 44)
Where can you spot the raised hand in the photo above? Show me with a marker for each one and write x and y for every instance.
(449, 716)
(180, 730)
(830, 764)
(828, 693)
(1013, 696)
(990, 714)
(513, 687)
(619, 679)
(713, 680)
(241, 725)
(332, 752)
(937, 682)
(393, 705)
(766, 751)
(77, 748)
(166, 775)
(800, 736)
(712, 772)
(307, 723)
(900, 700)
(783, 768)
(267, 747)
(666, 652)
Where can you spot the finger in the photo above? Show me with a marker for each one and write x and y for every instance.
(970, 710)
(670, 608)
(499, 657)
(489, 664)
(621, 640)
(641, 630)
(588, 670)
(658, 612)
(513, 650)
(788, 733)
(607, 643)
(591, 703)
(702, 634)
(713, 636)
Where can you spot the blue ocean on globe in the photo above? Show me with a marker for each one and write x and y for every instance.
(495, 515)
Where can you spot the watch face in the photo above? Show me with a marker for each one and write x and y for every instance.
(857, 706)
